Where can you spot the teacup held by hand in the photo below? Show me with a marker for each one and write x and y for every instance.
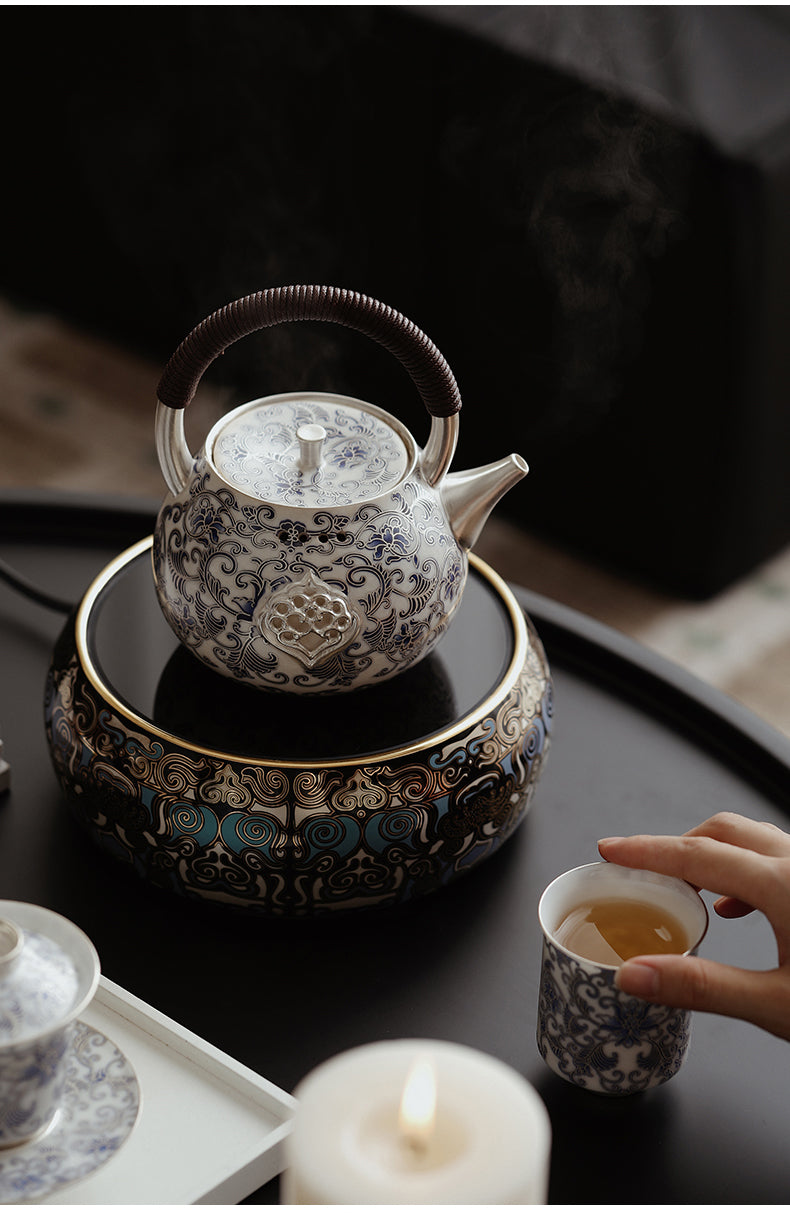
(590, 1032)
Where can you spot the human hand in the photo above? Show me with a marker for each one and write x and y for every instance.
(748, 864)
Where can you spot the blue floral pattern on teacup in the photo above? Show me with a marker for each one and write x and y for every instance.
(31, 1083)
(40, 993)
(37, 990)
(594, 1035)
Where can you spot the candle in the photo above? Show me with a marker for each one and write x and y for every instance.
(416, 1122)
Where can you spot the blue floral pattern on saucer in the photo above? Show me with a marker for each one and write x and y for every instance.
(101, 1104)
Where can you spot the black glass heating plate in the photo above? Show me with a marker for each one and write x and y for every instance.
(141, 661)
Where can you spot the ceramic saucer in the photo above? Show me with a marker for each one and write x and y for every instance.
(100, 1106)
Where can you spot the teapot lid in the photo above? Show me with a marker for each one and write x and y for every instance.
(310, 450)
(41, 981)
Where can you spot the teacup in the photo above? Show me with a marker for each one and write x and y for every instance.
(590, 1032)
(49, 971)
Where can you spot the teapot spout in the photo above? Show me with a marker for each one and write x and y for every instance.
(469, 497)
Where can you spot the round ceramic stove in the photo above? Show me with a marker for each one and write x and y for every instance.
(287, 804)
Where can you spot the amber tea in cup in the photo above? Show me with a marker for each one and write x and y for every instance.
(613, 929)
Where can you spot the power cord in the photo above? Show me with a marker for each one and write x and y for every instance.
(20, 583)
(5, 772)
(17, 582)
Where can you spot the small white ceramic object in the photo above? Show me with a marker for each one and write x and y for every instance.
(49, 971)
(311, 546)
(589, 1031)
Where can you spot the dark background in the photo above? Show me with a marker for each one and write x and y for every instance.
(585, 208)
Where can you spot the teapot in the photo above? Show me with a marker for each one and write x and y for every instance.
(311, 546)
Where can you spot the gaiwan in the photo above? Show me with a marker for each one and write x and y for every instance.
(312, 546)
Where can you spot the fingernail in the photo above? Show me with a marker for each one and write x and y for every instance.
(604, 842)
(635, 978)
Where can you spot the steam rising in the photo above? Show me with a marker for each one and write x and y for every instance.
(600, 215)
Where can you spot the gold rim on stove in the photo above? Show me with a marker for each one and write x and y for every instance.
(486, 706)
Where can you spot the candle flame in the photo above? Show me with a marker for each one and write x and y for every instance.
(417, 1115)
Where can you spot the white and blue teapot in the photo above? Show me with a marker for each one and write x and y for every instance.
(312, 546)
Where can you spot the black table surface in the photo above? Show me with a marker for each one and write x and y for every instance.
(638, 745)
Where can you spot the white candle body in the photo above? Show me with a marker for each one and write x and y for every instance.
(491, 1143)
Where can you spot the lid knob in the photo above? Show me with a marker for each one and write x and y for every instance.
(311, 441)
(10, 943)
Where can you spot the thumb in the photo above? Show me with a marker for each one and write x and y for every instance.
(761, 998)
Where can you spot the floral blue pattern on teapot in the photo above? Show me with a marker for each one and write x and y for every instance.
(311, 546)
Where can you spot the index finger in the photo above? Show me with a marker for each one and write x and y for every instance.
(759, 836)
(708, 863)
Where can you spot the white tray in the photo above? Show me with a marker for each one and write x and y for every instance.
(210, 1130)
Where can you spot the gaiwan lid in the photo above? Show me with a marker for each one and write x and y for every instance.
(48, 971)
(310, 450)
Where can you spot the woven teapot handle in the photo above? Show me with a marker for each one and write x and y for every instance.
(280, 305)
(428, 369)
